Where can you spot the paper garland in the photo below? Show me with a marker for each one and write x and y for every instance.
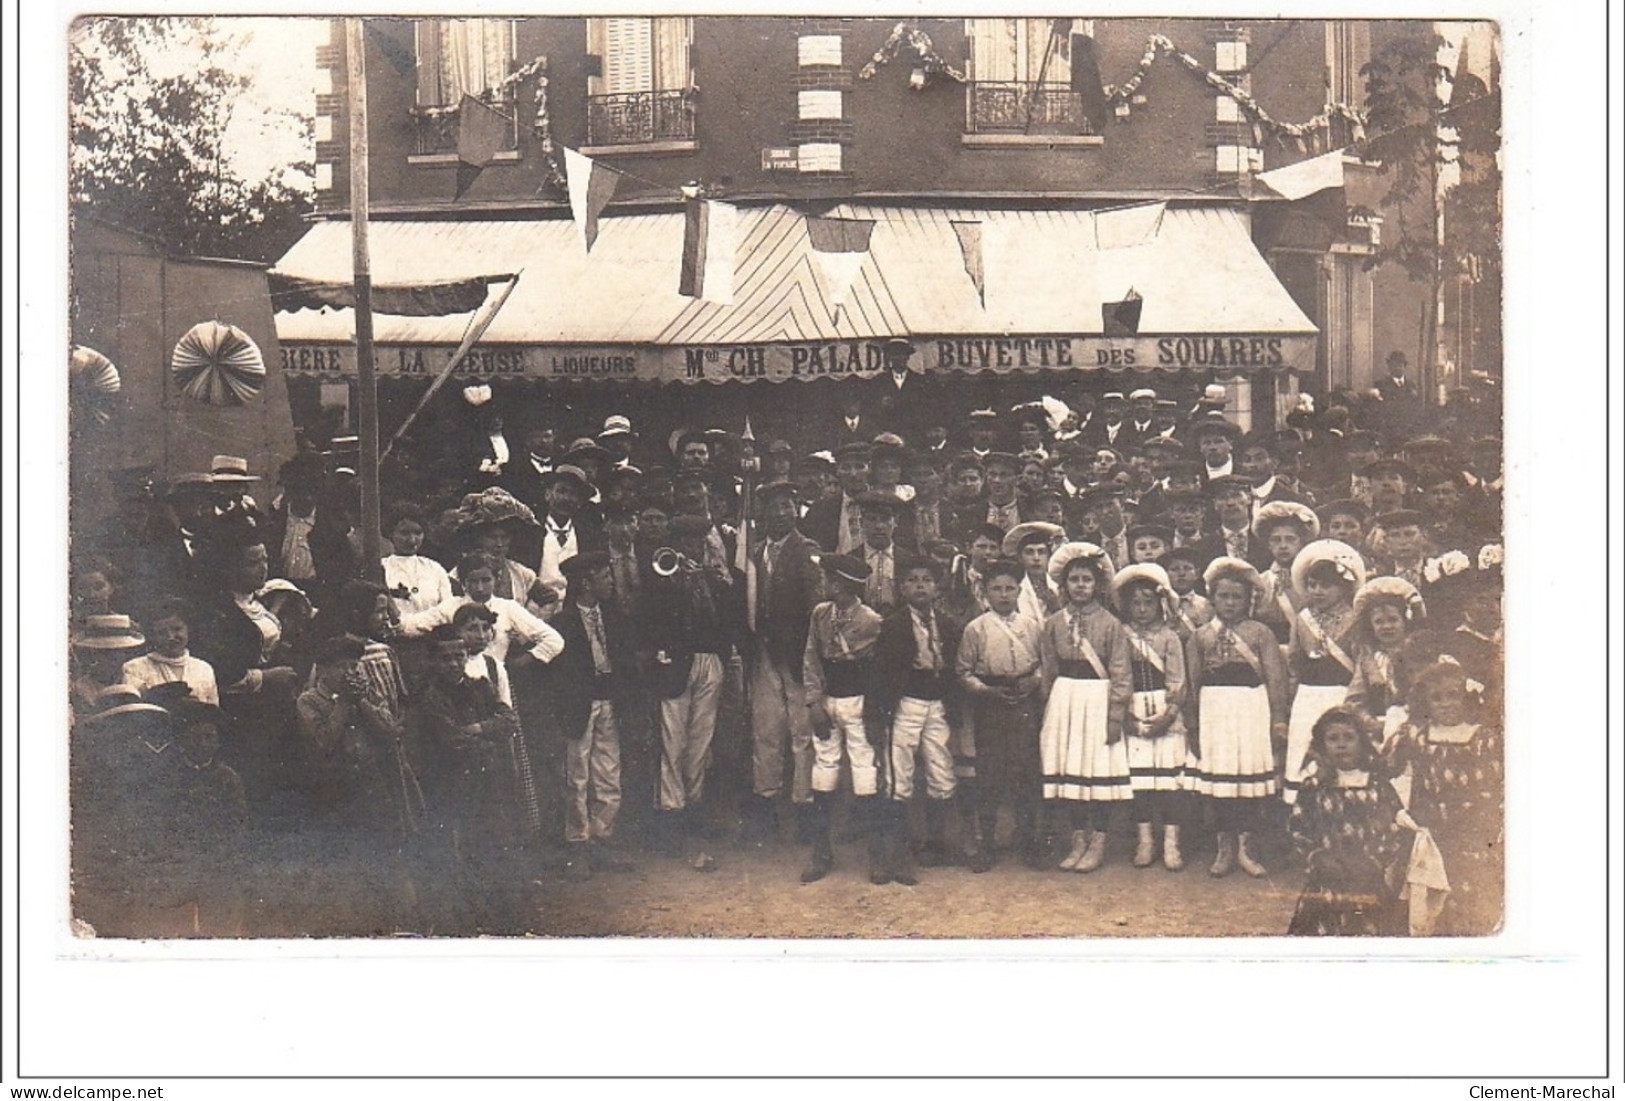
(907, 33)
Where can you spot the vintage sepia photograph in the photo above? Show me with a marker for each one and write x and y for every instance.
(721, 476)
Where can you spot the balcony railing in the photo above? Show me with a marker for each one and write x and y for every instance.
(434, 130)
(1026, 107)
(638, 118)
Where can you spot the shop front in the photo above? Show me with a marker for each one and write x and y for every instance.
(1001, 306)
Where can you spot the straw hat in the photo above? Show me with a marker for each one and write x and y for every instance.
(1142, 571)
(1069, 553)
(1238, 568)
(109, 632)
(1389, 589)
(1350, 566)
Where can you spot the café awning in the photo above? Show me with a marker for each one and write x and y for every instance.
(1208, 297)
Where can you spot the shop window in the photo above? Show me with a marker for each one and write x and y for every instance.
(642, 93)
(458, 57)
(1021, 78)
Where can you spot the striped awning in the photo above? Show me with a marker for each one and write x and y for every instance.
(1030, 298)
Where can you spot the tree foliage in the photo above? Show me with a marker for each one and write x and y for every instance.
(1405, 124)
(148, 140)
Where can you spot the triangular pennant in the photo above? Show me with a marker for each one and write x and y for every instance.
(591, 186)
(970, 244)
(710, 245)
(1121, 318)
(840, 244)
(482, 131)
(1128, 226)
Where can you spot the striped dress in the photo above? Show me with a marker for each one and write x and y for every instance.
(1086, 705)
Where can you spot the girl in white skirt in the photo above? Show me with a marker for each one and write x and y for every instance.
(1157, 751)
(1084, 651)
(1326, 574)
(1238, 688)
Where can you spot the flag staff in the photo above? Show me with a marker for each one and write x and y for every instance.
(367, 381)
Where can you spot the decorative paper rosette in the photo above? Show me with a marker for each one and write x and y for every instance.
(93, 383)
(218, 364)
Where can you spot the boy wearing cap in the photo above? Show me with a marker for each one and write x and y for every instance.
(835, 671)
(787, 581)
(916, 699)
(567, 528)
(879, 549)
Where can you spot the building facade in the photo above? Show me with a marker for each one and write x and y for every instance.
(1038, 132)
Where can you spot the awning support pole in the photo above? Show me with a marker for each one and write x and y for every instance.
(473, 336)
(367, 382)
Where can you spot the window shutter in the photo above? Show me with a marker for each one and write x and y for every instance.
(671, 53)
(628, 55)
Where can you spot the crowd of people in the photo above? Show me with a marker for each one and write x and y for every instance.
(1082, 630)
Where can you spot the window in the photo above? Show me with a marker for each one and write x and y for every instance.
(1348, 48)
(1021, 77)
(458, 57)
(643, 91)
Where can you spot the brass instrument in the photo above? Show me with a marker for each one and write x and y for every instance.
(668, 561)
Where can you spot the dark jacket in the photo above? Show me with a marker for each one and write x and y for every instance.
(822, 524)
(572, 676)
(1211, 546)
(785, 599)
(681, 622)
(894, 654)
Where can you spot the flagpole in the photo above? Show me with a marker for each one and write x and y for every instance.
(367, 382)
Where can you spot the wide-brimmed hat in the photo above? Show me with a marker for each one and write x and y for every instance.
(1028, 532)
(121, 699)
(585, 448)
(108, 632)
(1068, 553)
(888, 445)
(1098, 495)
(1146, 572)
(230, 468)
(1214, 393)
(565, 472)
(1226, 566)
(845, 566)
(494, 505)
(1389, 589)
(898, 346)
(1350, 566)
(1286, 512)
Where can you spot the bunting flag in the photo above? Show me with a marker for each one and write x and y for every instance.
(710, 244)
(1128, 226)
(840, 244)
(591, 186)
(1121, 318)
(1305, 178)
(482, 131)
(970, 243)
(1086, 78)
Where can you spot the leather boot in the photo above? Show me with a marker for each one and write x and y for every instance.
(806, 824)
(900, 861)
(871, 809)
(934, 853)
(760, 821)
(1095, 855)
(1172, 858)
(983, 857)
(1224, 861)
(1246, 860)
(667, 833)
(816, 815)
(1145, 849)
(1080, 845)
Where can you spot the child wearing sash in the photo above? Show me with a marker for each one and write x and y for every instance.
(998, 666)
(1191, 608)
(1326, 574)
(1085, 654)
(1157, 750)
(840, 640)
(1284, 527)
(1387, 612)
(1238, 692)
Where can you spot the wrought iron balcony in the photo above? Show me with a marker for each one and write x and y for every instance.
(434, 129)
(1026, 107)
(637, 118)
